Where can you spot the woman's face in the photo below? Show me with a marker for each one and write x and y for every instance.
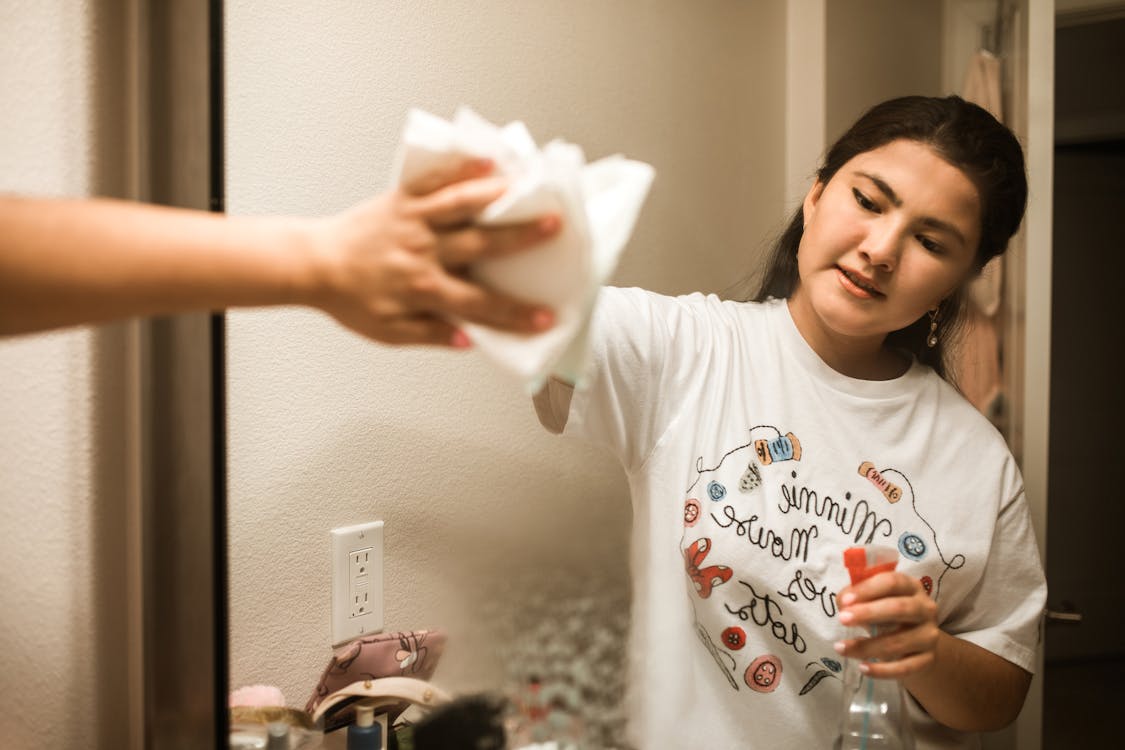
(891, 234)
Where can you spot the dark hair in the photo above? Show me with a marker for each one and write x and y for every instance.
(967, 137)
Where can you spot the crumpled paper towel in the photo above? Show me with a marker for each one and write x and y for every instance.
(597, 202)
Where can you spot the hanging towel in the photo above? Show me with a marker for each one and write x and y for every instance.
(979, 368)
(982, 83)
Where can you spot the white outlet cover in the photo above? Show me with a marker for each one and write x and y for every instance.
(349, 620)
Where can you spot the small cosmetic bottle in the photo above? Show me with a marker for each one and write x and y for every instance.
(365, 733)
(278, 733)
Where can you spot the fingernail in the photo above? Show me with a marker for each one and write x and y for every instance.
(839, 646)
(549, 224)
(542, 319)
(864, 667)
(460, 340)
(846, 617)
(847, 599)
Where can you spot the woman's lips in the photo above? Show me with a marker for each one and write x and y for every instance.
(858, 285)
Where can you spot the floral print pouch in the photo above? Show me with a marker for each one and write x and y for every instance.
(403, 654)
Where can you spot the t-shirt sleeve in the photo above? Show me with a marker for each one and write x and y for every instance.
(1004, 612)
(639, 343)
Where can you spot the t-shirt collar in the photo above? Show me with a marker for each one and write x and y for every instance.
(803, 354)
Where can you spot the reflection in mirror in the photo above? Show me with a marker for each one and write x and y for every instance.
(512, 541)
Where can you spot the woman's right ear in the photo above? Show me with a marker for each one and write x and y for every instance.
(811, 199)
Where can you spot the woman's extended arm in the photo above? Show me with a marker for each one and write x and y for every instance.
(387, 268)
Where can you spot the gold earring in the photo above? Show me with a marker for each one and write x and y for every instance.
(931, 340)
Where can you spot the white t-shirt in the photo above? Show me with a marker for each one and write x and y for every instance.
(752, 467)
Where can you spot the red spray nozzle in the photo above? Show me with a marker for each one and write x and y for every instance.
(864, 562)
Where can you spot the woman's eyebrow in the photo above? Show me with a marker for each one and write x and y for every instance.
(892, 196)
(884, 188)
(945, 226)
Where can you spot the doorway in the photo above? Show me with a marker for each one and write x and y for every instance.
(1084, 648)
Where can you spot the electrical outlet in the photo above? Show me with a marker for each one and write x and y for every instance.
(357, 581)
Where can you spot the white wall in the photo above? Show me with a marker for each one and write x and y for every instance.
(61, 512)
(488, 518)
(878, 49)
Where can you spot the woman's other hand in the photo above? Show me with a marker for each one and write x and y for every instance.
(904, 620)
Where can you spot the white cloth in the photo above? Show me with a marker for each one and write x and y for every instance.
(598, 204)
(737, 545)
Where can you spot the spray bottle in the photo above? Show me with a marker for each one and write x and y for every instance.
(874, 715)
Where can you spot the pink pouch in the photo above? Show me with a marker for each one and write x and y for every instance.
(404, 654)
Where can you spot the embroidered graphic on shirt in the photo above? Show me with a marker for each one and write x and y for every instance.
(767, 614)
(803, 586)
(751, 479)
(723, 660)
(833, 669)
(890, 491)
(764, 674)
(913, 543)
(751, 613)
(750, 527)
(761, 612)
(692, 512)
(911, 546)
(734, 637)
(784, 448)
(781, 448)
(860, 521)
(704, 578)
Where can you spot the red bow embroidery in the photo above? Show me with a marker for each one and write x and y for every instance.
(707, 578)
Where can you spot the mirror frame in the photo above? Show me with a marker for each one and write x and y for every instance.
(181, 395)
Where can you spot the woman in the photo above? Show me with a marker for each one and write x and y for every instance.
(761, 439)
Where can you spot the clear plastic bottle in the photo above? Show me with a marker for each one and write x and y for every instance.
(874, 712)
